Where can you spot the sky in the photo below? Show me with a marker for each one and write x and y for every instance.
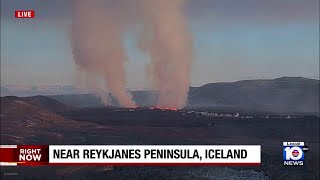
(233, 40)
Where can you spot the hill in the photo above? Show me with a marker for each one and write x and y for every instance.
(38, 101)
(27, 121)
(25, 90)
(286, 94)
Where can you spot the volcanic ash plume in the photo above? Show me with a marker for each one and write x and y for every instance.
(169, 43)
(97, 47)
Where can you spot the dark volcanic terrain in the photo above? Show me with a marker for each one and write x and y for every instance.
(42, 120)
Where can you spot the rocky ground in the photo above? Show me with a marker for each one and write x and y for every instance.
(25, 122)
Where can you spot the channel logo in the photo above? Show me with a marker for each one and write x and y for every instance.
(294, 153)
(24, 14)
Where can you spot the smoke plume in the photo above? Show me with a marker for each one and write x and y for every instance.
(96, 39)
(96, 36)
(169, 44)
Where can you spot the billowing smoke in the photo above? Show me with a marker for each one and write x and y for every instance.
(169, 43)
(96, 38)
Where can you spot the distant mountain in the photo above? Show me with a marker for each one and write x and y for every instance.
(24, 91)
(45, 90)
(142, 98)
(286, 94)
(79, 100)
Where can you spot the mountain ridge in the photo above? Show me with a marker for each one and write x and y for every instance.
(47, 90)
(284, 94)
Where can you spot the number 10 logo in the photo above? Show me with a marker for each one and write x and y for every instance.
(294, 153)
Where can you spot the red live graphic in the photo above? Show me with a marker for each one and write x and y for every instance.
(24, 13)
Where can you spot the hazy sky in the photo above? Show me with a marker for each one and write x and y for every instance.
(233, 40)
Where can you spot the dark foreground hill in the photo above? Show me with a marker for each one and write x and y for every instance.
(281, 95)
(27, 120)
(39, 101)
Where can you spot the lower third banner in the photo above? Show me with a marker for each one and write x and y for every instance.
(130, 155)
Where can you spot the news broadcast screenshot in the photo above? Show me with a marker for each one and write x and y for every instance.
(159, 90)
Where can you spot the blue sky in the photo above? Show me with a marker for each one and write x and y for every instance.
(233, 40)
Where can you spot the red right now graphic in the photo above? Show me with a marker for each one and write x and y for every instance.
(25, 155)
